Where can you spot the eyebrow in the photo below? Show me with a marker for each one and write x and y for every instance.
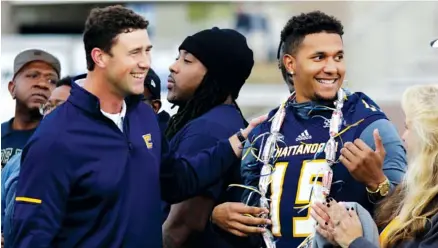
(51, 74)
(185, 53)
(324, 53)
(140, 48)
(38, 71)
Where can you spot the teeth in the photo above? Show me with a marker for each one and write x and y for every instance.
(325, 81)
(138, 75)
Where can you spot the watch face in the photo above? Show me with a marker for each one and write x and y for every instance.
(384, 190)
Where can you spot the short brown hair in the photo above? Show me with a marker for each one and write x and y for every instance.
(104, 24)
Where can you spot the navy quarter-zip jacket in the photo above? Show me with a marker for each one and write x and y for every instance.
(84, 183)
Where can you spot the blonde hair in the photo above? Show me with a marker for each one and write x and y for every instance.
(419, 189)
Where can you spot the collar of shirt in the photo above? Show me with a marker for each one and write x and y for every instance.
(6, 127)
(117, 118)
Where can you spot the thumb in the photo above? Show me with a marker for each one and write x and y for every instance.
(378, 142)
(256, 121)
(253, 123)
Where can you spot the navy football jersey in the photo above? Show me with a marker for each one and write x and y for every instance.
(299, 160)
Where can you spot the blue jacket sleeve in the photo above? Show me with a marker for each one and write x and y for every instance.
(6, 172)
(183, 177)
(190, 146)
(3, 181)
(394, 165)
(42, 192)
(9, 184)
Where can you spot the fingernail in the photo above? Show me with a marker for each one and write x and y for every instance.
(268, 222)
(328, 205)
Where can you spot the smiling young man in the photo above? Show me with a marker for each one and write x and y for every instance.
(99, 180)
(35, 75)
(367, 162)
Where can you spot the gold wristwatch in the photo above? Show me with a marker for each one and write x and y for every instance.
(382, 189)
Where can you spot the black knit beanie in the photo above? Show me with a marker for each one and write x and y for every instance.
(225, 54)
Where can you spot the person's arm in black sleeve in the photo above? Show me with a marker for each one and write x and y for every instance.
(183, 177)
(191, 216)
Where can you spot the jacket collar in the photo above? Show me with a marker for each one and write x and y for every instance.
(85, 100)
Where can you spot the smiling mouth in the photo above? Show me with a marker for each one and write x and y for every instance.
(138, 75)
(327, 81)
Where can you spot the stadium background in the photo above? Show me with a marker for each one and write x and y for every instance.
(386, 43)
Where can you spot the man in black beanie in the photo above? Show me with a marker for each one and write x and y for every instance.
(204, 82)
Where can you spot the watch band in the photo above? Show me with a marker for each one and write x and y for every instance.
(373, 192)
(378, 188)
(240, 136)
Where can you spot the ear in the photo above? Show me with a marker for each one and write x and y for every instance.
(100, 58)
(11, 88)
(156, 105)
(289, 63)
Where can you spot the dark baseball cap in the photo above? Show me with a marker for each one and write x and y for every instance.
(153, 83)
(434, 43)
(31, 55)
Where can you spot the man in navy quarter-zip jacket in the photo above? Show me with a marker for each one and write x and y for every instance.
(96, 169)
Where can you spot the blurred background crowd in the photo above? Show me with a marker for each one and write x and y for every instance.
(386, 43)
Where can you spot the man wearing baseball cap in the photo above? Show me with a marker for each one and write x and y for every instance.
(152, 96)
(34, 78)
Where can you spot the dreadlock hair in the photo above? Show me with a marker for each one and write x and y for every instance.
(209, 94)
